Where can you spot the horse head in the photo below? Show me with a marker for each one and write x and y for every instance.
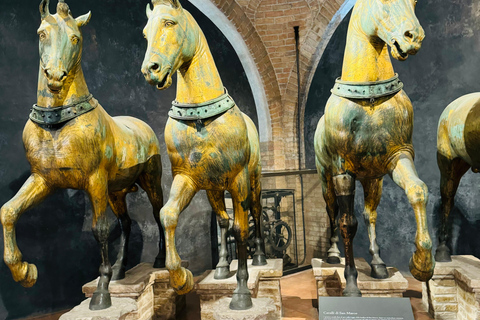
(394, 22)
(60, 43)
(171, 41)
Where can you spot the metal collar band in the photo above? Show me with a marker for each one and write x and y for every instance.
(204, 110)
(57, 115)
(367, 90)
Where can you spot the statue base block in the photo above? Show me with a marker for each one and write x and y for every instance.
(331, 280)
(149, 288)
(454, 290)
(121, 309)
(262, 309)
(263, 282)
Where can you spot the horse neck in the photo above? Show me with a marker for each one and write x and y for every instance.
(366, 57)
(198, 80)
(74, 90)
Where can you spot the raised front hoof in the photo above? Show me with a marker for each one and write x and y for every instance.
(443, 254)
(259, 260)
(379, 271)
(333, 260)
(421, 275)
(221, 273)
(118, 273)
(30, 275)
(185, 285)
(100, 300)
(159, 262)
(241, 301)
(352, 291)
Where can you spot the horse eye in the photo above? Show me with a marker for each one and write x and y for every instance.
(169, 23)
(42, 35)
(74, 39)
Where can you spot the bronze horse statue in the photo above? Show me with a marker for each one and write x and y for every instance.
(211, 144)
(72, 142)
(458, 138)
(366, 133)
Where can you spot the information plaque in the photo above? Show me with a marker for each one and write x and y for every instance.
(348, 308)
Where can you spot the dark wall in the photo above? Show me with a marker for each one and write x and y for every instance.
(56, 235)
(447, 67)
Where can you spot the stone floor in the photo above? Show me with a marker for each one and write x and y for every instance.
(299, 299)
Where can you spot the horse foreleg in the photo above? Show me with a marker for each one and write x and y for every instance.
(256, 210)
(451, 170)
(151, 182)
(328, 190)
(240, 190)
(97, 190)
(345, 192)
(33, 191)
(181, 194)
(119, 207)
(217, 201)
(405, 175)
(373, 192)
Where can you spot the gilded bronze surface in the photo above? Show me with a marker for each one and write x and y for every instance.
(366, 139)
(458, 138)
(215, 154)
(94, 152)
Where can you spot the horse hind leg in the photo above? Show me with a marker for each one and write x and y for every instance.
(405, 175)
(150, 181)
(217, 201)
(373, 192)
(451, 171)
(33, 191)
(345, 192)
(328, 190)
(242, 298)
(256, 210)
(117, 201)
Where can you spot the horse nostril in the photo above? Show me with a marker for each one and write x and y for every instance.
(154, 66)
(64, 76)
(47, 74)
(408, 35)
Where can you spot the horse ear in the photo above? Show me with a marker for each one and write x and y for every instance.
(148, 11)
(83, 20)
(44, 11)
(174, 3)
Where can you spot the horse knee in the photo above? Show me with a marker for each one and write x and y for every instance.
(418, 193)
(8, 215)
(168, 217)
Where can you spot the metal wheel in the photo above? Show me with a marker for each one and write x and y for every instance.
(280, 235)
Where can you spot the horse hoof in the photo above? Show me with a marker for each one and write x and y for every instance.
(352, 291)
(421, 275)
(31, 275)
(159, 262)
(186, 285)
(100, 300)
(118, 273)
(259, 260)
(379, 271)
(221, 273)
(333, 260)
(241, 301)
(443, 254)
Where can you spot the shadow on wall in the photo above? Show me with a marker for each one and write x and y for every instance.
(447, 67)
(56, 235)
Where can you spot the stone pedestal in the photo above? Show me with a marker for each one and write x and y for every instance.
(263, 282)
(149, 288)
(262, 309)
(454, 290)
(331, 280)
(121, 309)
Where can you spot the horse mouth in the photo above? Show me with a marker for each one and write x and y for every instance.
(54, 90)
(165, 82)
(397, 51)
